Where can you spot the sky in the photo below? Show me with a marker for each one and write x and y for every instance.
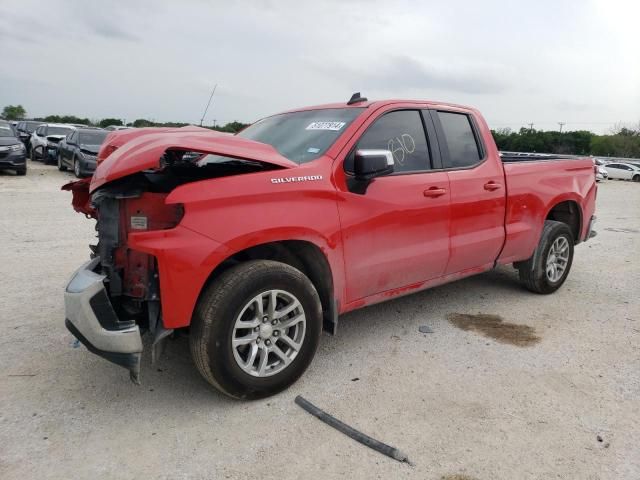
(540, 62)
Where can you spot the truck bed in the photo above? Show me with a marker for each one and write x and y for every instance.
(512, 157)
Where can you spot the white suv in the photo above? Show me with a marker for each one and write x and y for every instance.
(46, 138)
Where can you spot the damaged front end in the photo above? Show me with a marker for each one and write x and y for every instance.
(114, 298)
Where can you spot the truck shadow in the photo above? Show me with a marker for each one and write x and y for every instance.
(176, 371)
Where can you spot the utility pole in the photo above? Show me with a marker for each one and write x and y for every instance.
(208, 103)
(561, 125)
(531, 128)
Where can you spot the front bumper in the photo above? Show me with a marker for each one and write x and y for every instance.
(88, 166)
(90, 317)
(11, 160)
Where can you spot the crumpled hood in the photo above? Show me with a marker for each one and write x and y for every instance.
(55, 137)
(91, 149)
(144, 152)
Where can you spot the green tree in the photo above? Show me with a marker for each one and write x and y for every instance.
(67, 119)
(105, 122)
(141, 122)
(231, 127)
(14, 112)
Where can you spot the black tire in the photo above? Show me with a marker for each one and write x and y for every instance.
(61, 166)
(21, 171)
(533, 273)
(636, 178)
(76, 167)
(215, 315)
(32, 154)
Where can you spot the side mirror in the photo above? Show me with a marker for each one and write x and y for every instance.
(368, 164)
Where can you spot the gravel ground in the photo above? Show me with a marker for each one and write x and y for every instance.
(562, 403)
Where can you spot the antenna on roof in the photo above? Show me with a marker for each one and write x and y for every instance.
(208, 103)
(356, 98)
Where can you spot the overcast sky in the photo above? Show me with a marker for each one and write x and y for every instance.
(519, 62)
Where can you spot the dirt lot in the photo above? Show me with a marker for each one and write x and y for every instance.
(557, 395)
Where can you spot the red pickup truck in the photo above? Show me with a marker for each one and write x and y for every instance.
(254, 243)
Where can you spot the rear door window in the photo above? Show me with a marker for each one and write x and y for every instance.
(459, 139)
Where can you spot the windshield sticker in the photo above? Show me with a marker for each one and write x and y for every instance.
(335, 126)
(313, 150)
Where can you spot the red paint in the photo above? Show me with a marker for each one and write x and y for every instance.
(406, 233)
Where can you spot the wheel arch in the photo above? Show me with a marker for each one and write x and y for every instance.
(303, 255)
(567, 211)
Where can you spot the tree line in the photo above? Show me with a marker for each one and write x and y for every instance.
(620, 142)
(17, 112)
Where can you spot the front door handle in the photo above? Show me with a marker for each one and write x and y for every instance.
(433, 192)
(491, 186)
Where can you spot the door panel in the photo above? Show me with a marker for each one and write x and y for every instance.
(394, 235)
(477, 216)
(478, 193)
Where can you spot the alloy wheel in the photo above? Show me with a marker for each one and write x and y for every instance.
(268, 333)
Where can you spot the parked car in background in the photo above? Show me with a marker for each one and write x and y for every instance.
(25, 129)
(116, 127)
(44, 140)
(9, 125)
(623, 171)
(13, 155)
(601, 173)
(79, 149)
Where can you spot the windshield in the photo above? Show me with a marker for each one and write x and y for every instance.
(31, 126)
(302, 136)
(59, 131)
(6, 131)
(92, 138)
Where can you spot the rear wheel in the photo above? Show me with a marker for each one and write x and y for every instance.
(636, 178)
(256, 329)
(549, 266)
(21, 171)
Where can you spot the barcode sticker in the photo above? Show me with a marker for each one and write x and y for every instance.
(138, 223)
(335, 126)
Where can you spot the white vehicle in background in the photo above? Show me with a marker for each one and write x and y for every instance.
(623, 171)
(45, 138)
(601, 172)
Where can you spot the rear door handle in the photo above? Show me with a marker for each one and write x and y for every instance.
(433, 192)
(491, 186)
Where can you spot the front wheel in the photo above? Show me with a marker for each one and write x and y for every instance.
(76, 168)
(256, 329)
(548, 268)
(636, 178)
